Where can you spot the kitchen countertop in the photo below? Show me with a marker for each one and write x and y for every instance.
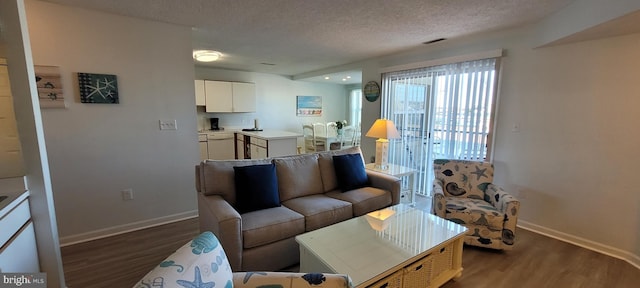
(14, 197)
(270, 134)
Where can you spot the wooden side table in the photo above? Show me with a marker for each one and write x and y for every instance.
(400, 172)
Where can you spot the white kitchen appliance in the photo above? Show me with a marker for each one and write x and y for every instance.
(220, 146)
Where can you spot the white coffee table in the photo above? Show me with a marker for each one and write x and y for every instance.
(412, 247)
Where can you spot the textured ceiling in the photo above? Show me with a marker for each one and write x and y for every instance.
(298, 36)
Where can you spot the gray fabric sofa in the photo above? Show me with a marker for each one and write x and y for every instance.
(264, 240)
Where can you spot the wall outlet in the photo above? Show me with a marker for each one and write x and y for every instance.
(127, 194)
(515, 127)
(168, 125)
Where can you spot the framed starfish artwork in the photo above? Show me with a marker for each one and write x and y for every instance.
(98, 88)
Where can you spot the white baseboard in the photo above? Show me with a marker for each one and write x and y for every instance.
(129, 227)
(582, 242)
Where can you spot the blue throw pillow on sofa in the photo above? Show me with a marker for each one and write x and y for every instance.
(256, 187)
(350, 172)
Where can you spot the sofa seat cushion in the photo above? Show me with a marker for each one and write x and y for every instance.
(364, 200)
(270, 225)
(466, 211)
(320, 210)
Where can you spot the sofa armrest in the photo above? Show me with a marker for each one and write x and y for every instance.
(438, 202)
(290, 280)
(386, 182)
(217, 215)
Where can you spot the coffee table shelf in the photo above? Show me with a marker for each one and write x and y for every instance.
(412, 248)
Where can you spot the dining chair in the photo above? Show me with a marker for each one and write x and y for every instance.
(357, 135)
(311, 141)
(320, 129)
(332, 129)
(348, 136)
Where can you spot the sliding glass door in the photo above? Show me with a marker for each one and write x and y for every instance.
(441, 112)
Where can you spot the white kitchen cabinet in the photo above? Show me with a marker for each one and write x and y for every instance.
(220, 146)
(222, 96)
(219, 96)
(200, 95)
(18, 252)
(204, 150)
(244, 97)
(20, 255)
(264, 144)
(259, 148)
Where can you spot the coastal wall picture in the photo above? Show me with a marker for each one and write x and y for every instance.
(49, 84)
(98, 88)
(309, 106)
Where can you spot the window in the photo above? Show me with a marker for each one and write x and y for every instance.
(355, 108)
(442, 111)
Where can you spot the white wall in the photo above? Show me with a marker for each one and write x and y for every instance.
(96, 150)
(276, 100)
(573, 162)
(32, 140)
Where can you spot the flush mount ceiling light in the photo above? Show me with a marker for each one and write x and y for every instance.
(206, 55)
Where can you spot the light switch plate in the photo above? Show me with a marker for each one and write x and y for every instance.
(168, 125)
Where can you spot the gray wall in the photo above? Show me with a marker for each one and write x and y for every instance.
(573, 161)
(96, 150)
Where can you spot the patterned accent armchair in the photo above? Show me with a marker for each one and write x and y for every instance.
(203, 263)
(464, 193)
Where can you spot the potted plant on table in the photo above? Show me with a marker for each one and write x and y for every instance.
(340, 125)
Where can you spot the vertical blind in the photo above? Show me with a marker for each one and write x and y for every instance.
(442, 111)
(355, 108)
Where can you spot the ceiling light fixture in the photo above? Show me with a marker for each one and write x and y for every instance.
(327, 77)
(206, 55)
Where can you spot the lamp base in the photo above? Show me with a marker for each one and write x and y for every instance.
(382, 154)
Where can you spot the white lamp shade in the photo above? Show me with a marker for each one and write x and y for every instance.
(383, 129)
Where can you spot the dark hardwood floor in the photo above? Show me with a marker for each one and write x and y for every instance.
(120, 261)
(536, 261)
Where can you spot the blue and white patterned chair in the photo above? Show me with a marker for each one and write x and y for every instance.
(203, 263)
(464, 193)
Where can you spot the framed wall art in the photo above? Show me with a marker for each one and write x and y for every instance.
(309, 106)
(98, 88)
(49, 84)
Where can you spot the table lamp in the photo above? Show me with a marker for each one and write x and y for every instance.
(384, 130)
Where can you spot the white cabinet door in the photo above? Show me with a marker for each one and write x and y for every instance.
(204, 151)
(258, 152)
(219, 96)
(200, 95)
(221, 149)
(244, 97)
(20, 255)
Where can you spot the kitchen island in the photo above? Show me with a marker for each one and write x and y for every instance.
(264, 144)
